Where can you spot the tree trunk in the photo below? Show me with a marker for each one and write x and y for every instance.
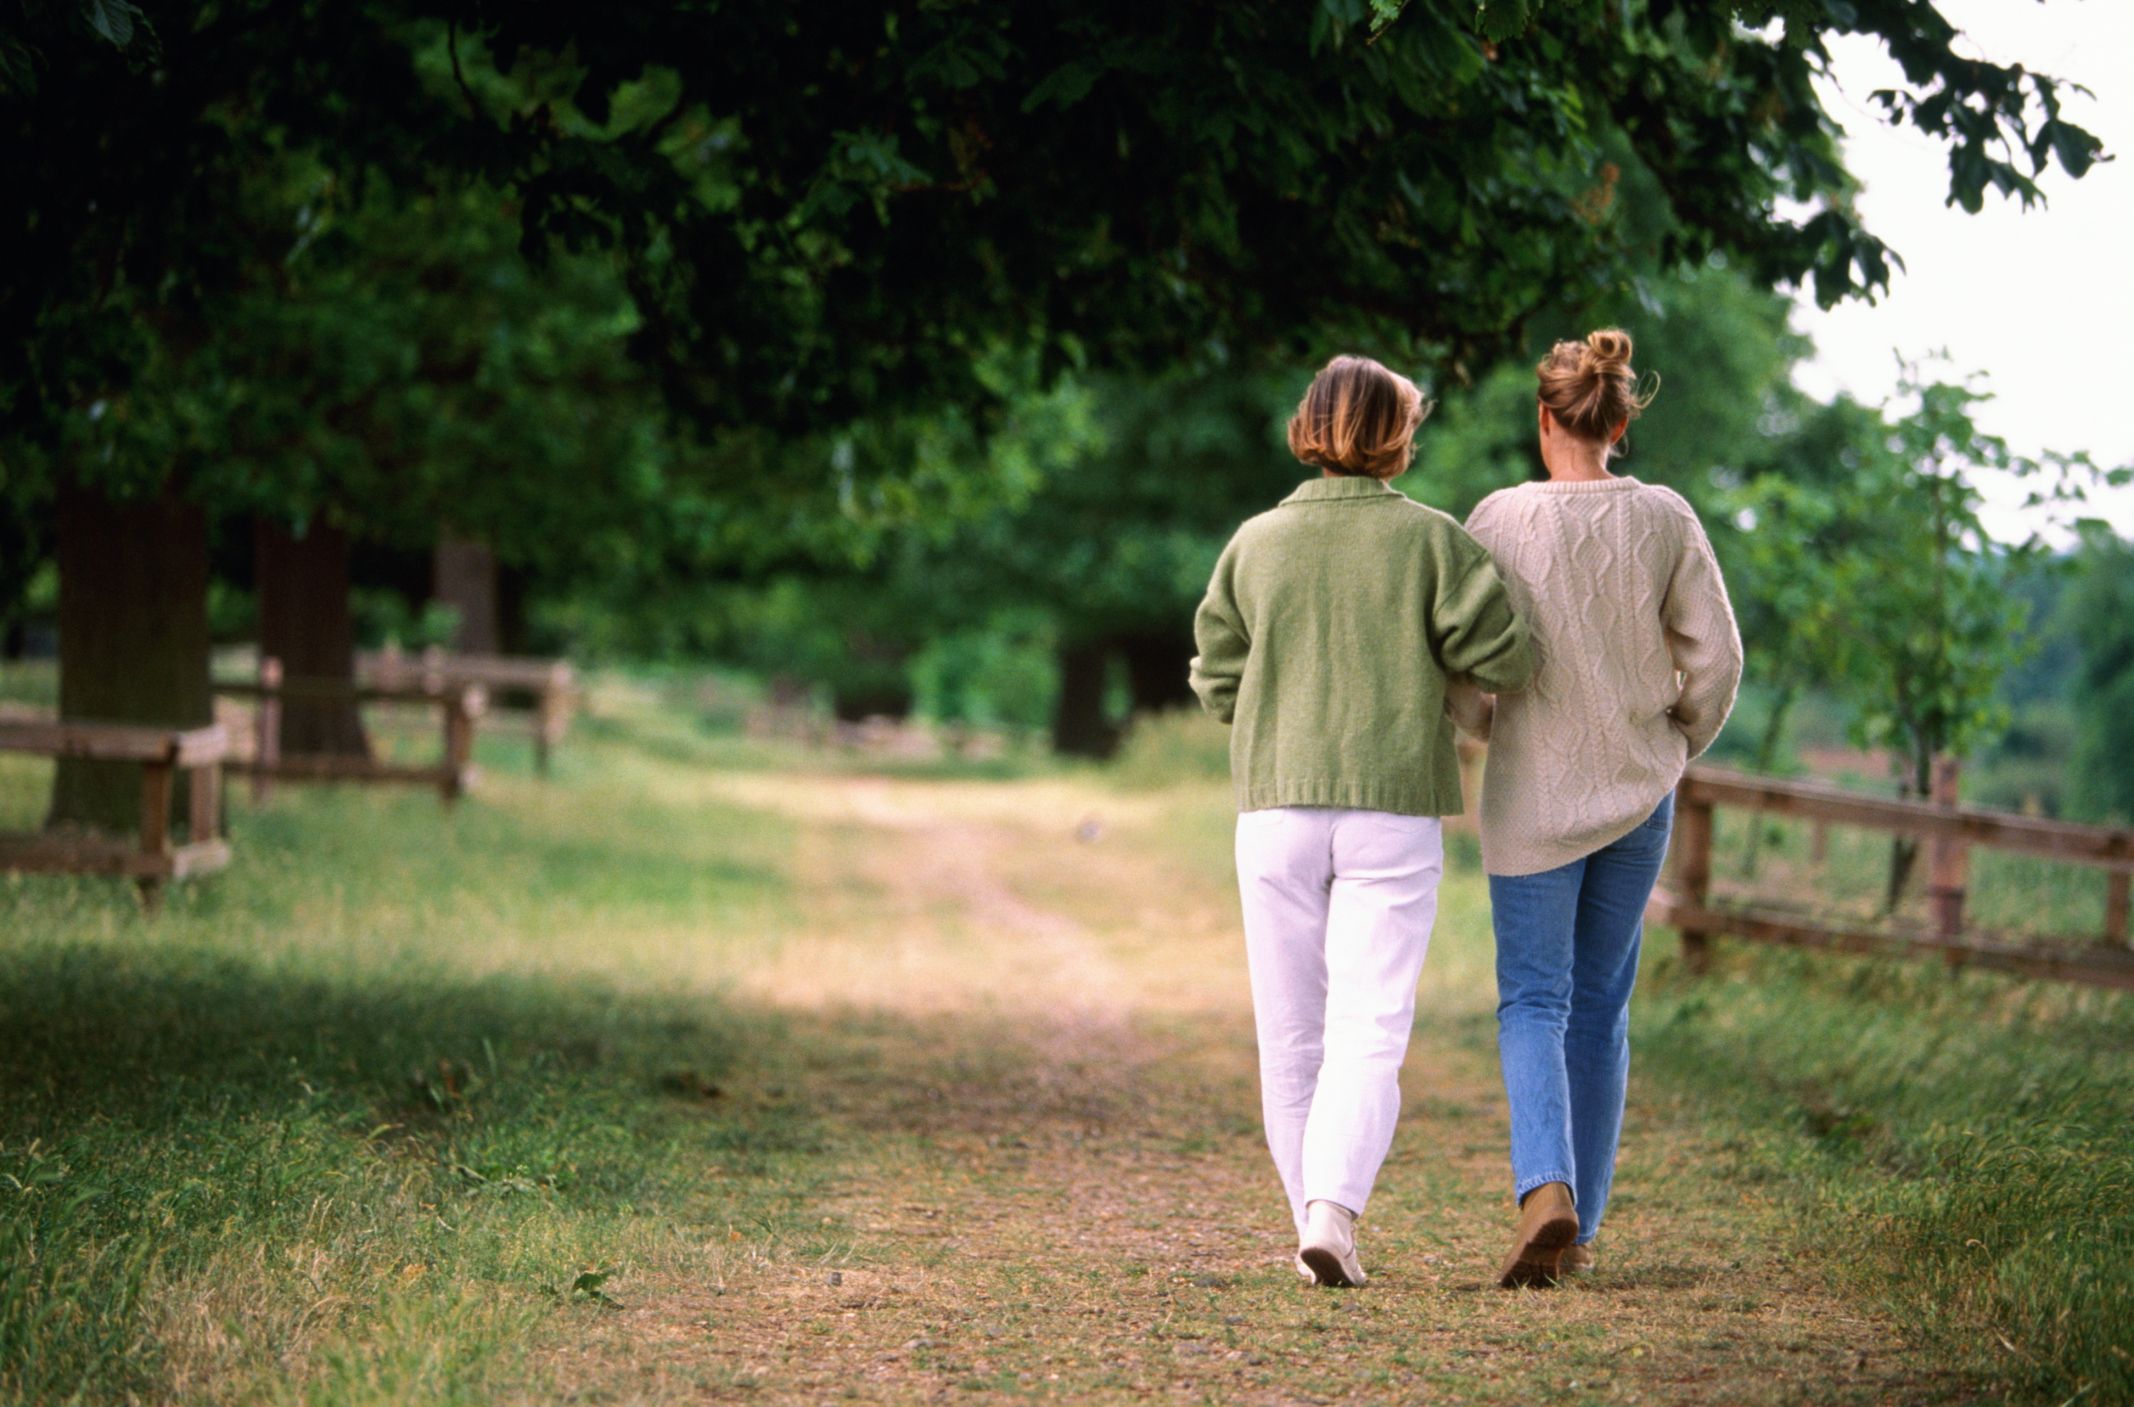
(304, 622)
(1079, 725)
(1918, 784)
(1156, 664)
(511, 627)
(133, 638)
(463, 576)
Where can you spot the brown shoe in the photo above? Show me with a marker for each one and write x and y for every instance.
(1576, 1260)
(1547, 1223)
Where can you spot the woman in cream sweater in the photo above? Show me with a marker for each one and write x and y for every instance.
(1637, 663)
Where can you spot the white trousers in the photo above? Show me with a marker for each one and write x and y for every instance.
(1338, 909)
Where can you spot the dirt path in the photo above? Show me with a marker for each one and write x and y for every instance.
(1018, 1012)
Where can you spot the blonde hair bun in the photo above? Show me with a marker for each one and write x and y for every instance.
(1607, 350)
(1589, 386)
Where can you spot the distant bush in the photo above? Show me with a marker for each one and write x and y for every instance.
(1177, 746)
(1000, 675)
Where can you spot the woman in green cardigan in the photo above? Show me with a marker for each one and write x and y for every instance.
(1325, 639)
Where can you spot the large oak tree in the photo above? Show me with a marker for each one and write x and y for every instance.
(833, 220)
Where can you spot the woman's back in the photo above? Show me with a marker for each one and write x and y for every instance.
(1637, 662)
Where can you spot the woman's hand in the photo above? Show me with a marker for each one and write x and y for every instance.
(1470, 709)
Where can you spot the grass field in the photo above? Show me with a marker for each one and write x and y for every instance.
(716, 1070)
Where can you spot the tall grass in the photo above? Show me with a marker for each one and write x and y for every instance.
(1168, 749)
(1964, 1143)
(1968, 1139)
(345, 1123)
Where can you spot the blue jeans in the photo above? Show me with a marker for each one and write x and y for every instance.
(1567, 957)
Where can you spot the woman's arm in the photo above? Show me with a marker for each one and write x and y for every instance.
(1474, 632)
(1219, 631)
(1702, 638)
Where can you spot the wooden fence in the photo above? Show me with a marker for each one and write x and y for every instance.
(459, 705)
(544, 689)
(156, 857)
(1950, 831)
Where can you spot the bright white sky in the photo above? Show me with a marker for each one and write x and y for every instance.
(2042, 301)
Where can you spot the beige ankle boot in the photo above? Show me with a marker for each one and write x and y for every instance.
(1547, 1223)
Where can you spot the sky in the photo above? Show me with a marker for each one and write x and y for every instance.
(2042, 301)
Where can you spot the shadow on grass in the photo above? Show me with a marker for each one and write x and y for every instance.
(157, 1041)
(172, 1118)
(126, 1045)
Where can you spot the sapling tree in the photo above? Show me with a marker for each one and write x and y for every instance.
(1885, 583)
(1782, 531)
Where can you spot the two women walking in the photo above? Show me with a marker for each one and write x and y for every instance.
(1580, 624)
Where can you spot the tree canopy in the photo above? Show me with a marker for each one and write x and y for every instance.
(656, 289)
(826, 215)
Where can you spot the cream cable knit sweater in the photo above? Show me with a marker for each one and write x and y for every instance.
(1638, 661)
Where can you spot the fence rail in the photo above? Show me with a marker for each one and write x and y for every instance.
(1950, 831)
(545, 689)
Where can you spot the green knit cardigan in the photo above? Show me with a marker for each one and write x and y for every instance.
(1326, 637)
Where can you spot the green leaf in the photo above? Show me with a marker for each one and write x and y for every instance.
(2076, 149)
(1504, 19)
(114, 19)
(1063, 87)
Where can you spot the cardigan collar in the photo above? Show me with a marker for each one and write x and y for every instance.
(1346, 486)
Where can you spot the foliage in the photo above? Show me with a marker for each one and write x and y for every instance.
(1122, 536)
(2099, 611)
(24, 532)
(1716, 346)
(1116, 546)
(828, 223)
(996, 673)
(1781, 532)
(1882, 581)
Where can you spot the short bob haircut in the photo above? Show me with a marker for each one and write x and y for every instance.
(1358, 418)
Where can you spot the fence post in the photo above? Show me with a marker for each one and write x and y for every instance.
(267, 728)
(204, 821)
(433, 668)
(2115, 906)
(553, 708)
(1949, 861)
(462, 702)
(1693, 871)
